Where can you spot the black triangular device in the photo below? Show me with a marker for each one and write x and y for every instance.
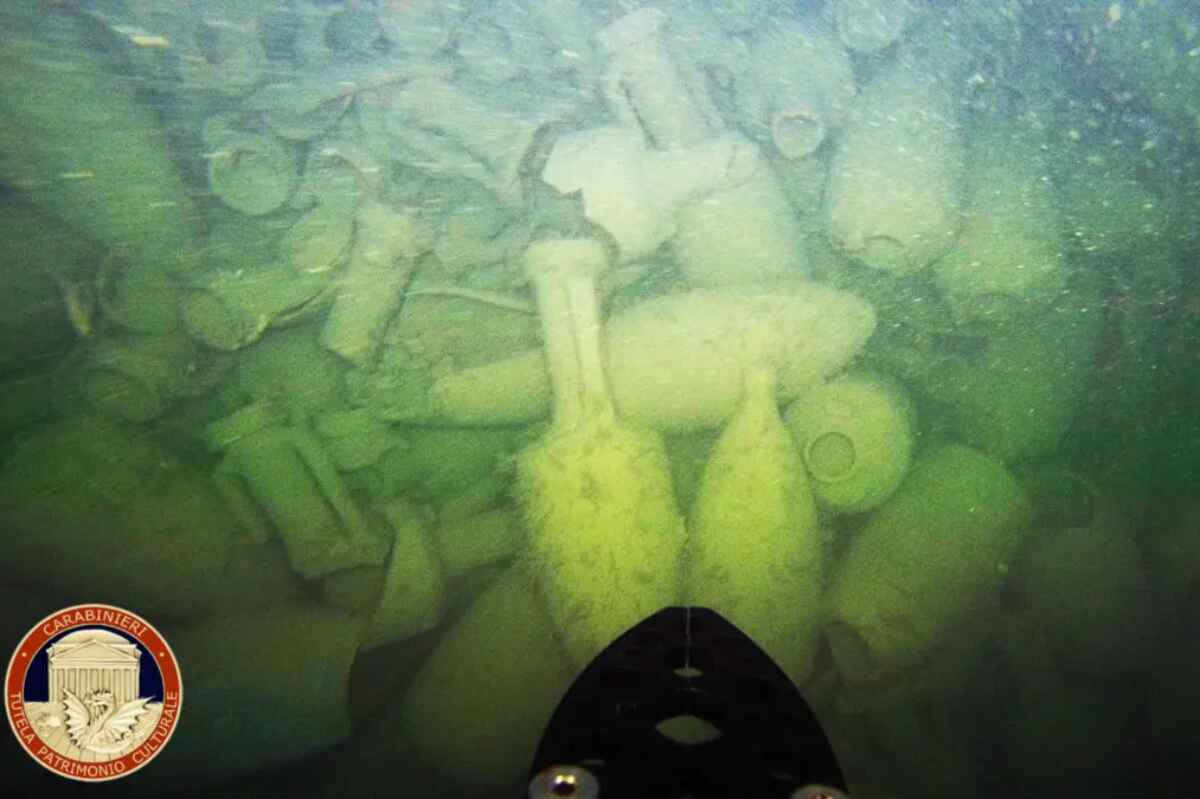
(687, 664)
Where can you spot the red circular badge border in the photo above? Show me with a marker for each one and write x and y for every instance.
(151, 639)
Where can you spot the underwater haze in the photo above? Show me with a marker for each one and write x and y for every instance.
(394, 357)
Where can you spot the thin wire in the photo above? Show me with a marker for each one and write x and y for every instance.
(687, 640)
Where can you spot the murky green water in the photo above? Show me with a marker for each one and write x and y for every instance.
(393, 356)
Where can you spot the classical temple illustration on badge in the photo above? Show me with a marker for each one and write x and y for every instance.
(90, 699)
